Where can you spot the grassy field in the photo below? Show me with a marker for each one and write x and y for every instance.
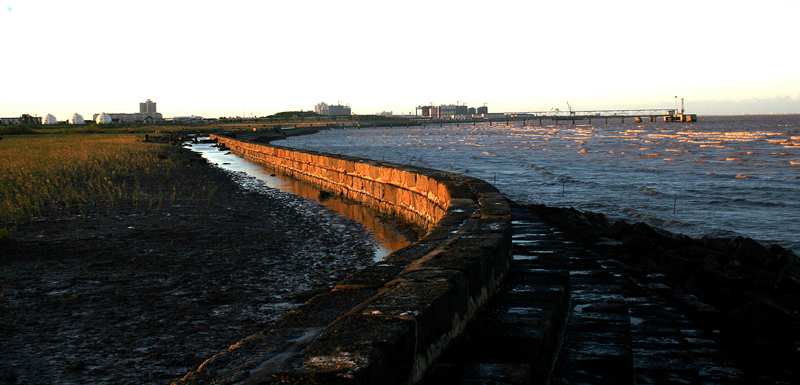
(68, 173)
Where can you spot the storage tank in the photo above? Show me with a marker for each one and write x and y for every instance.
(50, 119)
(77, 119)
(103, 118)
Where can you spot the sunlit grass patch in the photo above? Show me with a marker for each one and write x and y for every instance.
(67, 173)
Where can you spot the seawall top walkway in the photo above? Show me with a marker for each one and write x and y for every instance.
(387, 323)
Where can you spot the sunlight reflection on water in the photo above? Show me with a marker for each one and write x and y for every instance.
(388, 239)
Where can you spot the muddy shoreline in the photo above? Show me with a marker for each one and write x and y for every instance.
(135, 295)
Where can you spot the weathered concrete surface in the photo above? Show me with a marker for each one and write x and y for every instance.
(388, 323)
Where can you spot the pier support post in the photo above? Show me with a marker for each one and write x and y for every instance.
(606, 120)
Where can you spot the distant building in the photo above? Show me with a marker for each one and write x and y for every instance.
(325, 109)
(50, 119)
(24, 119)
(450, 111)
(428, 111)
(147, 114)
(322, 108)
(148, 107)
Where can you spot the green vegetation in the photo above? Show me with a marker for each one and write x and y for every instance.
(295, 114)
(57, 174)
(17, 129)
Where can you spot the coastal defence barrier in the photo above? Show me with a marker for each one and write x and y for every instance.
(386, 323)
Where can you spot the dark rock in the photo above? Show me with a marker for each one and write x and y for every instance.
(786, 285)
(750, 252)
(618, 229)
(597, 219)
(8, 376)
(791, 301)
(711, 264)
(323, 196)
(698, 310)
(758, 320)
(76, 364)
(723, 245)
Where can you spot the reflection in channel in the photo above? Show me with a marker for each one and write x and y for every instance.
(390, 235)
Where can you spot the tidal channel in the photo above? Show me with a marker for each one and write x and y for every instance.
(388, 233)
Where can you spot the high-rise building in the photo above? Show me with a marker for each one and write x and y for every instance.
(322, 108)
(148, 107)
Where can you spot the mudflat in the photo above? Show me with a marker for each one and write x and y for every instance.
(135, 295)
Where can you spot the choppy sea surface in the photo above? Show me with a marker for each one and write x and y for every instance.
(720, 176)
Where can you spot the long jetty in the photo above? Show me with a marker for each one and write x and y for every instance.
(558, 117)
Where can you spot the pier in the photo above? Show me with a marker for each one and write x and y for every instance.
(574, 117)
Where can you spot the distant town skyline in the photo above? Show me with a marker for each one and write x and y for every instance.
(242, 58)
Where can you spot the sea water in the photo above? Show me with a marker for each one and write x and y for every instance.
(720, 176)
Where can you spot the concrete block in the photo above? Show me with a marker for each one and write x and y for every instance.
(411, 253)
(430, 308)
(448, 226)
(323, 309)
(475, 263)
(370, 277)
(357, 350)
(252, 358)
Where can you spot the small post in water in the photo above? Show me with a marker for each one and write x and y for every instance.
(675, 205)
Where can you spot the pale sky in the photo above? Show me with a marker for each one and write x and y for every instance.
(229, 58)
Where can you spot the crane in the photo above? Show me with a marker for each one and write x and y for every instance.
(571, 111)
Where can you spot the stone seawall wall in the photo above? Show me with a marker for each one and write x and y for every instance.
(413, 193)
(387, 323)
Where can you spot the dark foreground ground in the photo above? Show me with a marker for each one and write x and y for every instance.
(142, 296)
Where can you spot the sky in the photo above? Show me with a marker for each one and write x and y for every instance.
(257, 58)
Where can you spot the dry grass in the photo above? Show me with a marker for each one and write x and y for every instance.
(68, 173)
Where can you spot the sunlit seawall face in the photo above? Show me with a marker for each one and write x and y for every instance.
(720, 174)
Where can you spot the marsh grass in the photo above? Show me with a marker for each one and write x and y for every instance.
(57, 174)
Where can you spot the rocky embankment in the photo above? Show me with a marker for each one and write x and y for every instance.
(749, 292)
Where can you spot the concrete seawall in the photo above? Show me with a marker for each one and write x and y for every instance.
(387, 323)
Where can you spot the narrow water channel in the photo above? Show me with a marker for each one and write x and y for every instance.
(383, 230)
